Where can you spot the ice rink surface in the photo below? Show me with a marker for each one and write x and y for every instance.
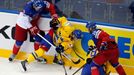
(36, 68)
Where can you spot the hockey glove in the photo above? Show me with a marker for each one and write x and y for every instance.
(90, 48)
(89, 60)
(42, 33)
(55, 16)
(34, 30)
(103, 46)
(59, 49)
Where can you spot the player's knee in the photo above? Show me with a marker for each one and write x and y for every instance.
(115, 65)
(36, 45)
(19, 43)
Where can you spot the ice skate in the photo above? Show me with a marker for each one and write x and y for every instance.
(11, 58)
(42, 60)
(23, 64)
(57, 61)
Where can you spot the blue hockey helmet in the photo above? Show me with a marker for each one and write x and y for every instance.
(91, 25)
(77, 33)
(38, 3)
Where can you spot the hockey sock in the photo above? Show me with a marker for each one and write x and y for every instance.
(94, 71)
(36, 45)
(35, 55)
(120, 70)
(16, 49)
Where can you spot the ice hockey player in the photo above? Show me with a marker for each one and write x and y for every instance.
(28, 22)
(87, 67)
(44, 45)
(107, 50)
(61, 31)
(64, 36)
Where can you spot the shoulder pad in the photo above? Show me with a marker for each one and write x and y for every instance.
(96, 33)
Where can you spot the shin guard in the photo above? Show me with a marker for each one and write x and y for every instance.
(120, 70)
(16, 49)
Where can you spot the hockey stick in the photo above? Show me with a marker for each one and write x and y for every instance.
(54, 47)
(78, 55)
(78, 69)
(81, 66)
(89, 52)
(77, 62)
(63, 64)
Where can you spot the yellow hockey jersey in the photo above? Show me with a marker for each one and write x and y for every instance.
(63, 36)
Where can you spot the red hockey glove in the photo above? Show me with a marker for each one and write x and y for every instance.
(34, 30)
(55, 16)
